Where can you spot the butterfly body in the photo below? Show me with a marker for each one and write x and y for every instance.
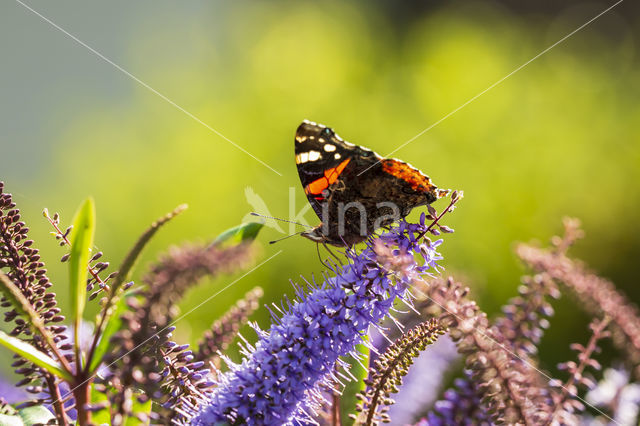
(353, 190)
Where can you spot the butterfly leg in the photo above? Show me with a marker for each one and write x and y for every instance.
(326, 246)
(324, 262)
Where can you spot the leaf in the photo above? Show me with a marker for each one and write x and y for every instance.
(239, 234)
(104, 417)
(20, 303)
(35, 415)
(30, 353)
(110, 322)
(114, 324)
(138, 408)
(7, 420)
(81, 242)
(99, 417)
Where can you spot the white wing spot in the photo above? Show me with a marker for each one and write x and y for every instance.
(314, 155)
(329, 148)
(337, 156)
(304, 157)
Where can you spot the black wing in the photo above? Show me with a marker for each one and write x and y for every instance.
(321, 156)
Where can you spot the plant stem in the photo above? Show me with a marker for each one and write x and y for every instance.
(335, 410)
(57, 400)
(125, 269)
(437, 219)
(81, 394)
(598, 327)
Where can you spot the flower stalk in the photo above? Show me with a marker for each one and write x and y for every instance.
(565, 403)
(278, 380)
(297, 370)
(386, 375)
(597, 296)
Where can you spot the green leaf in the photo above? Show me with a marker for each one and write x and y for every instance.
(109, 318)
(81, 242)
(100, 417)
(103, 417)
(20, 303)
(7, 420)
(138, 408)
(243, 233)
(7, 409)
(114, 324)
(30, 353)
(35, 415)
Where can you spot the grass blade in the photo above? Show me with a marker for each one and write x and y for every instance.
(112, 325)
(30, 353)
(109, 319)
(81, 239)
(22, 306)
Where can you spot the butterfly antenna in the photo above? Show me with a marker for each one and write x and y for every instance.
(281, 220)
(284, 238)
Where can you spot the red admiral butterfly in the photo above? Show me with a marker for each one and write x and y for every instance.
(353, 190)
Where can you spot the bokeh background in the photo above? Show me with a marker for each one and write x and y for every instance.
(559, 137)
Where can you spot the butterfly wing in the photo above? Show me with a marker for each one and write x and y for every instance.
(321, 157)
(336, 174)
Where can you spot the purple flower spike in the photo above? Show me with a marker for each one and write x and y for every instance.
(278, 380)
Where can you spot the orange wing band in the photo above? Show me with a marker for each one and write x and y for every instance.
(413, 177)
(330, 176)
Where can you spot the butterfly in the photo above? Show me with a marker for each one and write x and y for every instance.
(353, 190)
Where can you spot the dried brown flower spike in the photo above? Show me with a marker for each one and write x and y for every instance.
(386, 374)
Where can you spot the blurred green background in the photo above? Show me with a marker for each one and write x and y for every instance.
(559, 137)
